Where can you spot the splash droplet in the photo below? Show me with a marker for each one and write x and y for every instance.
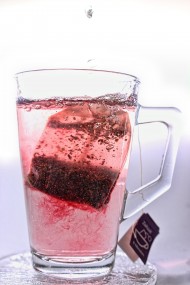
(89, 12)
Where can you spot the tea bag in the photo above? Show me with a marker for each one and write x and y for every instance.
(137, 241)
(75, 155)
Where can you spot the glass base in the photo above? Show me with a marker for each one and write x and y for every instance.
(74, 269)
(18, 270)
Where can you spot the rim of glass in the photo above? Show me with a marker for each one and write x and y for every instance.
(136, 79)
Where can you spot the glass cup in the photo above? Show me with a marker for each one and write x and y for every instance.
(75, 135)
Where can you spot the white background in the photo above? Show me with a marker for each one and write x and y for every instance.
(149, 39)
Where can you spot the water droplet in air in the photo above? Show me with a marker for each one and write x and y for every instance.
(89, 12)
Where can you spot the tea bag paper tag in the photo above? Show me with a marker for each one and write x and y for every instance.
(139, 238)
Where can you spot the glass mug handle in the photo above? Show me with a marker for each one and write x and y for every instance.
(144, 195)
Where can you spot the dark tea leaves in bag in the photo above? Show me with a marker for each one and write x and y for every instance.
(80, 153)
(72, 182)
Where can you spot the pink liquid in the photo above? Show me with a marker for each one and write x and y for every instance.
(75, 160)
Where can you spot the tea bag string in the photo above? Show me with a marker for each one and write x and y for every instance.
(140, 157)
(141, 174)
(141, 165)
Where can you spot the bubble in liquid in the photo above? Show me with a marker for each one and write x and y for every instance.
(37, 107)
(48, 104)
(28, 109)
(109, 146)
